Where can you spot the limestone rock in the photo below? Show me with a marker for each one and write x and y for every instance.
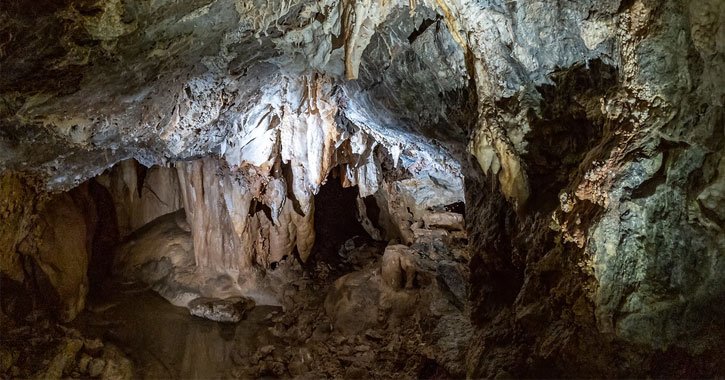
(162, 255)
(446, 220)
(141, 194)
(230, 310)
(62, 253)
(589, 133)
(398, 267)
(150, 253)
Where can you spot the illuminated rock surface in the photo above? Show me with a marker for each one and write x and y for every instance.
(192, 147)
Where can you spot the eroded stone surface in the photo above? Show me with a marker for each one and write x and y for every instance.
(221, 310)
(593, 195)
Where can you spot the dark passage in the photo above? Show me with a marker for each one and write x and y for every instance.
(336, 221)
(104, 239)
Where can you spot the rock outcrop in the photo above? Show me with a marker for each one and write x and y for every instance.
(229, 310)
(141, 194)
(46, 248)
(590, 135)
(594, 143)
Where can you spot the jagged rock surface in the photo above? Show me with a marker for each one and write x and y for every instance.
(594, 195)
(141, 195)
(221, 310)
(594, 141)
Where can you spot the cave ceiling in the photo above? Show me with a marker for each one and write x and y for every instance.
(588, 134)
(86, 84)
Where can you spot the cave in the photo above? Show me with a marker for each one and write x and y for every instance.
(362, 189)
(337, 223)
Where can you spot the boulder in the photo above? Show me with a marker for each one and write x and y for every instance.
(450, 221)
(398, 267)
(230, 310)
(352, 303)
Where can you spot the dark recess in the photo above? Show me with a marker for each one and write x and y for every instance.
(458, 207)
(105, 238)
(336, 221)
(421, 29)
(565, 130)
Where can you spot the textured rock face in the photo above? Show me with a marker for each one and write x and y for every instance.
(226, 310)
(232, 71)
(62, 253)
(45, 246)
(141, 195)
(594, 190)
(609, 139)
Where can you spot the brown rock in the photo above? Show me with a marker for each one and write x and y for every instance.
(63, 360)
(230, 310)
(352, 303)
(62, 253)
(96, 366)
(398, 267)
(447, 220)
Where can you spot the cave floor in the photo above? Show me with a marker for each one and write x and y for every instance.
(135, 333)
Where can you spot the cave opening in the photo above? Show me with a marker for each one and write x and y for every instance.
(104, 237)
(338, 226)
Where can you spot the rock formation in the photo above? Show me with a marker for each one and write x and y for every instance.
(584, 137)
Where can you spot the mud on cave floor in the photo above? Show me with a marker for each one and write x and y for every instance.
(141, 333)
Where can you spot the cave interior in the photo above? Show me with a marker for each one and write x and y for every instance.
(195, 189)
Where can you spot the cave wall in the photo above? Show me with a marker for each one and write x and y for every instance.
(46, 247)
(593, 169)
(605, 152)
(141, 194)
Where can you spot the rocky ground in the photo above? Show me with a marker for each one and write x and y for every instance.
(44, 350)
(367, 310)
